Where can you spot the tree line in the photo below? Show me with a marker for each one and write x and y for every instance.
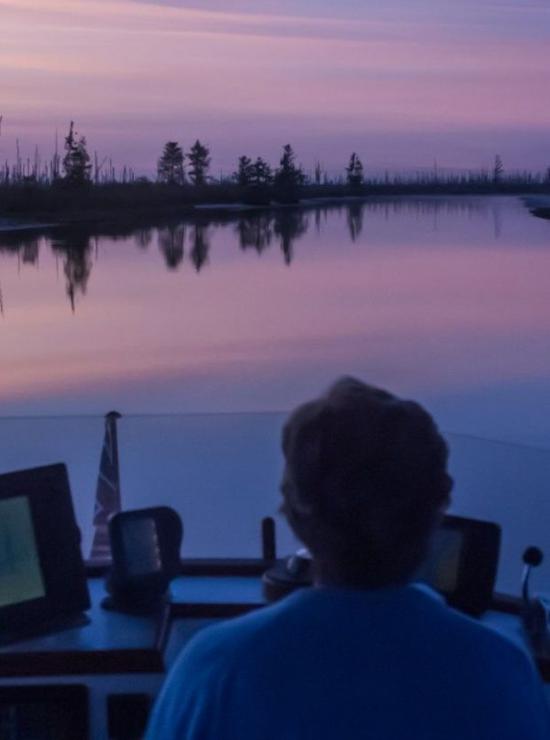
(174, 167)
(254, 179)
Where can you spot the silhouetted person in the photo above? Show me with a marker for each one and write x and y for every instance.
(365, 653)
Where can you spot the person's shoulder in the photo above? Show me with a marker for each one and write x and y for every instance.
(470, 635)
(228, 639)
(203, 678)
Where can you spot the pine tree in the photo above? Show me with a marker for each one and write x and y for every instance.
(498, 170)
(199, 159)
(318, 173)
(258, 189)
(261, 172)
(76, 162)
(288, 174)
(288, 177)
(245, 172)
(354, 171)
(170, 165)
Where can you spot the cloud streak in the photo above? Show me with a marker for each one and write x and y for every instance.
(287, 75)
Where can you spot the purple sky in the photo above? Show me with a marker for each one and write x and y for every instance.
(403, 82)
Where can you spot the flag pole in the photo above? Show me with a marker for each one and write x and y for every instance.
(107, 498)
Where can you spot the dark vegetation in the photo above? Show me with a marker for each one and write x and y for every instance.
(77, 188)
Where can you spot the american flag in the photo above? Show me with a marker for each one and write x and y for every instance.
(107, 497)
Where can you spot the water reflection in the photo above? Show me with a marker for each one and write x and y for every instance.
(200, 246)
(171, 241)
(256, 230)
(23, 243)
(74, 246)
(443, 299)
(355, 220)
(143, 238)
(30, 250)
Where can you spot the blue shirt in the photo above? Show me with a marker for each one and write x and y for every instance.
(341, 664)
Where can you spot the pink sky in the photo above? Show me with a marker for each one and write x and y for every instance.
(403, 83)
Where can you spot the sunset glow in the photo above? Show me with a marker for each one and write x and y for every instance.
(404, 83)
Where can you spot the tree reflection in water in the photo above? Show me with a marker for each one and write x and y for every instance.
(201, 246)
(289, 225)
(75, 247)
(171, 242)
(355, 219)
(255, 229)
(26, 245)
(30, 251)
(143, 238)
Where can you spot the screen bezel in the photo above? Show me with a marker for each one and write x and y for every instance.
(169, 532)
(58, 546)
(478, 567)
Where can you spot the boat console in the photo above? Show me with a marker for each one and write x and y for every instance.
(96, 677)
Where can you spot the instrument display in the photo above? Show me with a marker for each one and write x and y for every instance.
(42, 577)
(21, 577)
(442, 568)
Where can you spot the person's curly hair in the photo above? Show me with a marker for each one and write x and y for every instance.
(365, 482)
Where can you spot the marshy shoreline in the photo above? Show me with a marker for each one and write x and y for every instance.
(31, 207)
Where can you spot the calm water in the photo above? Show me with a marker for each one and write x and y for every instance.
(446, 300)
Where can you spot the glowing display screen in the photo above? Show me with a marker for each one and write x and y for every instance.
(442, 567)
(21, 576)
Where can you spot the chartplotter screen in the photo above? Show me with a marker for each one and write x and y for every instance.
(442, 567)
(21, 576)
